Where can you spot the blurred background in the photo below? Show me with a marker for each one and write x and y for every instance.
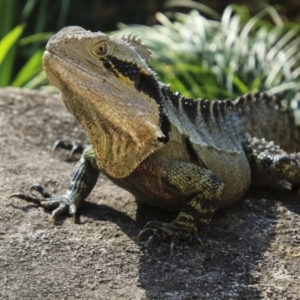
(209, 49)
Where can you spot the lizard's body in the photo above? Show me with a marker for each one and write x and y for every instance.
(197, 145)
(169, 151)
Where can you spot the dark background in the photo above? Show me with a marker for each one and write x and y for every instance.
(105, 14)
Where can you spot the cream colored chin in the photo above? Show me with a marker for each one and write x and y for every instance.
(46, 56)
(50, 67)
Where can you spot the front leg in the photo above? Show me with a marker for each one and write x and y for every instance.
(198, 184)
(83, 179)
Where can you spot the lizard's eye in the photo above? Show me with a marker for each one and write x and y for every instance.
(101, 49)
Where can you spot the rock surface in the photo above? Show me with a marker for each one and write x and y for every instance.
(252, 249)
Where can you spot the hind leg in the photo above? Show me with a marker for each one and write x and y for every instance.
(270, 164)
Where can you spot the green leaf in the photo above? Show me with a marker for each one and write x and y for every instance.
(226, 57)
(30, 69)
(9, 40)
(38, 80)
(240, 85)
(37, 37)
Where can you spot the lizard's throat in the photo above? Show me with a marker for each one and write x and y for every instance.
(120, 145)
(117, 154)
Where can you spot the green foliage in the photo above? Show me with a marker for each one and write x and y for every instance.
(32, 68)
(8, 41)
(223, 58)
(27, 50)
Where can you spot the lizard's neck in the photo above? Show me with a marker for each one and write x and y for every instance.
(119, 145)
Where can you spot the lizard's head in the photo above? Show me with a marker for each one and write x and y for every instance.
(106, 83)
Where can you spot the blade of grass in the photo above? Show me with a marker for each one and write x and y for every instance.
(40, 80)
(30, 4)
(37, 37)
(9, 40)
(7, 54)
(30, 69)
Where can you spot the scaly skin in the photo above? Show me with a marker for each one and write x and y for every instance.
(170, 152)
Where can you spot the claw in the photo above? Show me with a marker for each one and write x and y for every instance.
(33, 198)
(62, 145)
(74, 214)
(172, 248)
(40, 189)
(77, 148)
(43, 201)
(72, 209)
(75, 218)
(58, 211)
(169, 231)
(145, 232)
(174, 241)
(58, 205)
(73, 148)
(151, 240)
(197, 240)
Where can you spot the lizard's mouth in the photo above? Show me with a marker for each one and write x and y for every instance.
(48, 59)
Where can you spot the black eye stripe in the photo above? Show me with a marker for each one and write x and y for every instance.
(127, 69)
(108, 66)
(145, 83)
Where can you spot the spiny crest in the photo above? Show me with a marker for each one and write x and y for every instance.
(252, 98)
(258, 98)
(140, 47)
(217, 109)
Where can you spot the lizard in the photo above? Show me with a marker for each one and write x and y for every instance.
(179, 154)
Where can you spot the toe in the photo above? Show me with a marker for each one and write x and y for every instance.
(59, 210)
(28, 198)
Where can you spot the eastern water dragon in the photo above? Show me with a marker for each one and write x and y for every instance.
(179, 154)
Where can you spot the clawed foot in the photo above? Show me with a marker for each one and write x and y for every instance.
(60, 204)
(159, 231)
(73, 148)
